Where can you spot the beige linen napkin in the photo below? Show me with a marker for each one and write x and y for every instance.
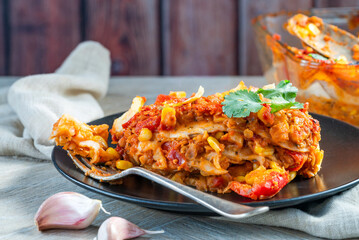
(39, 100)
(336, 217)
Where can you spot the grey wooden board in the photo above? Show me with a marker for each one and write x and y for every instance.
(27, 183)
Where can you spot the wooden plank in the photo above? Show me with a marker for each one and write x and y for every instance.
(43, 33)
(329, 3)
(249, 61)
(2, 40)
(199, 37)
(130, 30)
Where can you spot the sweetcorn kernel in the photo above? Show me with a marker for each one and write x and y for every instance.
(113, 153)
(263, 151)
(167, 111)
(214, 144)
(251, 176)
(248, 133)
(258, 149)
(240, 179)
(145, 135)
(123, 164)
(168, 116)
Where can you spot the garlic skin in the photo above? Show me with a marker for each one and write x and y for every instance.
(67, 210)
(116, 228)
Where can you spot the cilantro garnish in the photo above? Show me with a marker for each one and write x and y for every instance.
(242, 102)
(317, 56)
(283, 90)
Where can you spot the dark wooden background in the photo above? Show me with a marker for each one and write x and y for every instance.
(145, 37)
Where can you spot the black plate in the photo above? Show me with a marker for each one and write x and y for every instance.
(340, 171)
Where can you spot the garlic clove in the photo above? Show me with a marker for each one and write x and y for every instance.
(67, 210)
(116, 228)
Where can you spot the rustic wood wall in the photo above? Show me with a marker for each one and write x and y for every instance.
(145, 37)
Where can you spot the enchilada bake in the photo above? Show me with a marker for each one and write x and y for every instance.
(247, 140)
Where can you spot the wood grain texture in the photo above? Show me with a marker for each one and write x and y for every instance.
(42, 34)
(2, 40)
(22, 192)
(331, 3)
(130, 29)
(249, 62)
(199, 37)
(145, 37)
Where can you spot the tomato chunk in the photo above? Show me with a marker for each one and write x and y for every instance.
(176, 159)
(265, 115)
(269, 183)
(217, 182)
(151, 123)
(298, 158)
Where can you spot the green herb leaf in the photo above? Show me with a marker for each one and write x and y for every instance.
(279, 103)
(317, 56)
(241, 103)
(284, 89)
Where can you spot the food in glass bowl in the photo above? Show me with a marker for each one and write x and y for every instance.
(331, 86)
(329, 41)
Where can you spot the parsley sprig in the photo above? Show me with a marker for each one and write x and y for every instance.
(242, 102)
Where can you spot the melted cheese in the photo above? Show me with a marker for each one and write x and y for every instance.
(238, 156)
(186, 132)
(136, 106)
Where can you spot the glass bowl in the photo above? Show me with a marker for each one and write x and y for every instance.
(331, 89)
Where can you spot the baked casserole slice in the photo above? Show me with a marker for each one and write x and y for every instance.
(201, 141)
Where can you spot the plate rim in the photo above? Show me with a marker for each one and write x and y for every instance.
(193, 206)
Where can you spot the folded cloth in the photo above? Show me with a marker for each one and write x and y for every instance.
(336, 217)
(40, 100)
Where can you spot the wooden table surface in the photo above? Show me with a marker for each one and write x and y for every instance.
(27, 182)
